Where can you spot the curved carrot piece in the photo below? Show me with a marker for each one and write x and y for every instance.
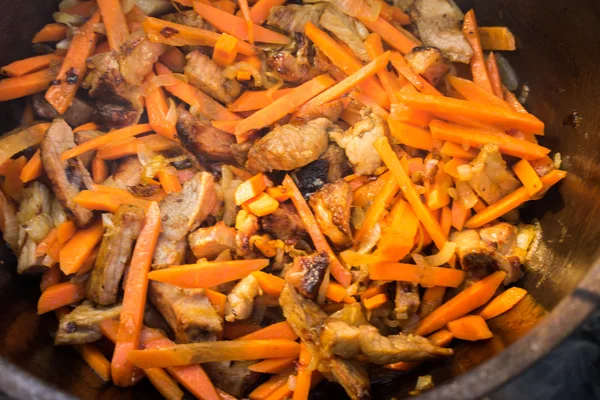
(158, 110)
(478, 67)
(528, 177)
(471, 327)
(90, 126)
(273, 365)
(74, 253)
(33, 169)
(280, 330)
(114, 21)
(260, 10)
(503, 302)
(398, 39)
(59, 295)
(425, 276)
(268, 388)
(303, 376)
(51, 33)
(269, 283)
(497, 38)
(412, 136)
(463, 303)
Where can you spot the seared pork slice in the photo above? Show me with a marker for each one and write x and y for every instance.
(128, 173)
(138, 56)
(332, 208)
(490, 178)
(307, 273)
(187, 311)
(337, 162)
(210, 242)
(346, 29)
(331, 111)
(407, 300)
(242, 238)
(284, 224)
(9, 225)
(78, 113)
(106, 82)
(233, 377)
(182, 212)
(65, 176)
(116, 115)
(206, 75)
(404, 5)
(240, 301)
(293, 17)
(428, 62)
(288, 147)
(114, 254)
(358, 143)
(340, 338)
(293, 65)
(202, 139)
(312, 177)
(351, 374)
(189, 18)
(438, 24)
(240, 151)
(82, 325)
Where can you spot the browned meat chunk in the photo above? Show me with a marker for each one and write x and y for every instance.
(332, 207)
(331, 111)
(240, 151)
(202, 139)
(189, 18)
(293, 65)
(116, 115)
(138, 56)
(543, 165)
(203, 73)
(407, 300)
(340, 338)
(438, 23)
(284, 224)
(128, 173)
(490, 179)
(293, 17)
(240, 301)
(187, 311)
(288, 147)
(358, 143)
(233, 377)
(65, 176)
(352, 375)
(428, 62)
(82, 324)
(210, 242)
(182, 212)
(307, 273)
(78, 113)
(337, 162)
(242, 238)
(114, 254)
(346, 29)
(106, 82)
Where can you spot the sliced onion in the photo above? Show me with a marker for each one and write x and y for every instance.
(557, 160)
(443, 256)
(357, 217)
(69, 19)
(18, 140)
(64, 44)
(9, 223)
(228, 186)
(38, 227)
(171, 117)
(58, 213)
(464, 172)
(66, 4)
(420, 260)
(154, 7)
(365, 9)
(370, 241)
(36, 201)
(127, 5)
(100, 28)
(109, 224)
(466, 196)
(321, 295)
(231, 72)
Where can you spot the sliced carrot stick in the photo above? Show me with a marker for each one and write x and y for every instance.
(512, 100)
(454, 150)
(421, 210)
(207, 274)
(273, 365)
(225, 5)
(374, 302)
(51, 33)
(459, 215)
(65, 231)
(433, 297)
(471, 327)
(110, 137)
(347, 84)
(503, 302)
(129, 147)
(99, 170)
(95, 359)
(397, 38)
(269, 283)
(371, 103)
(260, 10)
(437, 196)
(511, 201)
(346, 62)
(168, 180)
(441, 338)
(337, 293)
(59, 295)
(497, 38)
(174, 59)
(251, 188)
(463, 303)
(285, 104)
(388, 80)
(528, 177)
(33, 169)
(50, 277)
(263, 391)
(391, 13)
(81, 245)
(74, 66)
(107, 201)
(88, 264)
(158, 110)
(164, 383)
(475, 137)
(279, 193)
(479, 112)
(280, 330)
(478, 67)
(341, 274)
(255, 100)
(494, 73)
(25, 85)
(199, 353)
(412, 136)
(134, 298)
(474, 92)
(32, 64)
(451, 166)
(90, 126)
(83, 9)
(425, 276)
(114, 21)
(405, 70)
(46, 242)
(304, 375)
(236, 26)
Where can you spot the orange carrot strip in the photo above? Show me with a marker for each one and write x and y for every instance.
(397, 38)
(279, 193)
(106, 201)
(432, 299)
(528, 177)
(225, 50)
(65, 231)
(174, 59)
(114, 21)
(273, 365)
(280, 330)
(74, 66)
(411, 116)
(478, 67)
(303, 376)
(90, 126)
(95, 359)
(346, 62)
(459, 215)
(451, 167)
(405, 70)
(236, 26)
(475, 137)
(129, 147)
(375, 302)
(13, 186)
(269, 283)
(168, 180)
(471, 327)
(33, 169)
(479, 112)
(217, 300)
(454, 150)
(134, 298)
(255, 100)
(474, 92)
(511, 201)
(441, 338)
(497, 38)
(164, 383)
(494, 73)
(29, 65)
(51, 33)
(503, 302)
(341, 274)
(88, 264)
(336, 292)
(99, 170)
(425, 276)
(208, 274)
(81, 245)
(421, 210)
(437, 196)
(110, 137)
(263, 391)
(25, 85)
(347, 84)
(234, 330)
(50, 277)
(409, 135)
(251, 188)
(370, 292)
(59, 295)
(260, 10)
(158, 110)
(199, 353)
(225, 5)
(446, 220)
(388, 80)
(261, 205)
(463, 303)
(285, 104)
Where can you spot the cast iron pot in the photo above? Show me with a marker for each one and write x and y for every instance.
(558, 59)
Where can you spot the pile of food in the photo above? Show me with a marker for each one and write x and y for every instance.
(250, 197)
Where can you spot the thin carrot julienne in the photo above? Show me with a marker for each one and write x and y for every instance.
(114, 21)
(29, 65)
(478, 65)
(53, 32)
(25, 85)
